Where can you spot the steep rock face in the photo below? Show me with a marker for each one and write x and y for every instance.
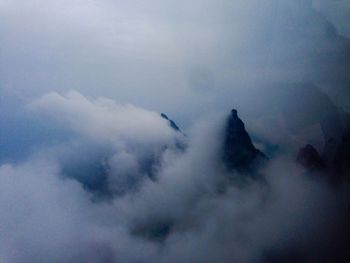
(336, 152)
(335, 157)
(309, 157)
(342, 156)
(239, 152)
(180, 142)
(171, 122)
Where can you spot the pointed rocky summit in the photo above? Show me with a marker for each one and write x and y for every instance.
(171, 122)
(239, 153)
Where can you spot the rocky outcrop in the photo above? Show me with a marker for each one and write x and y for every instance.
(309, 157)
(180, 142)
(171, 122)
(336, 152)
(335, 156)
(239, 153)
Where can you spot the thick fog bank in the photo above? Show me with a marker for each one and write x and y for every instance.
(120, 189)
(174, 131)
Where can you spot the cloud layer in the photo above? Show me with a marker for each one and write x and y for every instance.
(87, 176)
(167, 209)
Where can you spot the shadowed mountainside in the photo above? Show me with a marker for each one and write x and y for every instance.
(239, 153)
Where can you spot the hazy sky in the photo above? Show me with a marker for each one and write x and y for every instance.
(181, 57)
(88, 167)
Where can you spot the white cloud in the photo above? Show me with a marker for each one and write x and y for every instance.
(48, 215)
(104, 120)
(99, 176)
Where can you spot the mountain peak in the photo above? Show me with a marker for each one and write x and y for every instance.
(234, 113)
(171, 122)
(309, 157)
(239, 153)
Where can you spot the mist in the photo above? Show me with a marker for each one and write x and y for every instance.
(116, 118)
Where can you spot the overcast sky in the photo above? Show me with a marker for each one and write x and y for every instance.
(89, 170)
(182, 57)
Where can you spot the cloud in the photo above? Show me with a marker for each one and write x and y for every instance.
(86, 176)
(138, 53)
(102, 119)
(51, 210)
(121, 143)
(47, 218)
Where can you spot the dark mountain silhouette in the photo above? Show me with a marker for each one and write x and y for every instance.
(334, 159)
(309, 157)
(336, 152)
(239, 153)
(171, 122)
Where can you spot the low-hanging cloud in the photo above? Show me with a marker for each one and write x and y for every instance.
(88, 174)
(179, 214)
(116, 143)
